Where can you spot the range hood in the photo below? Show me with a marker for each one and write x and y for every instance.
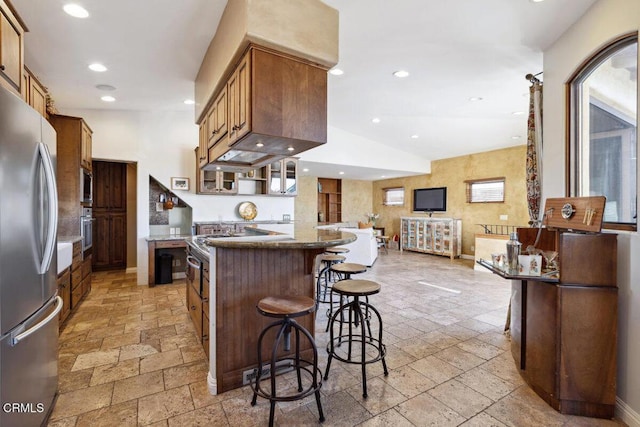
(254, 151)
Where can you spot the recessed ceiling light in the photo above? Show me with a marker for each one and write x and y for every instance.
(108, 98)
(475, 98)
(341, 173)
(414, 136)
(336, 71)
(97, 67)
(375, 120)
(401, 74)
(516, 137)
(218, 168)
(75, 10)
(383, 176)
(189, 101)
(105, 87)
(259, 144)
(290, 149)
(518, 113)
(536, 1)
(305, 170)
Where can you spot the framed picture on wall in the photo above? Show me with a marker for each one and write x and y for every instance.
(178, 183)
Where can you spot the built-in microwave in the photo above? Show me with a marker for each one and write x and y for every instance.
(86, 187)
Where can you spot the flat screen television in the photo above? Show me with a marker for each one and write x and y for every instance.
(430, 199)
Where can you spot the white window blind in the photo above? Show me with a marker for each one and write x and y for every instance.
(485, 190)
(393, 196)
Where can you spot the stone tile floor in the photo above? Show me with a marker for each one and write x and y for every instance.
(129, 356)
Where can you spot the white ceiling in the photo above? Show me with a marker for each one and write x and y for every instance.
(454, 50)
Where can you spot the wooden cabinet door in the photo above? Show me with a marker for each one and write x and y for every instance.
(220, 113)
(11, 59)
(64, 290)
(85, 147)
(217, 119)
(118, 243)
(202, 143)
(101, 240)
(239, 92)
(37, 97)
(109, 186)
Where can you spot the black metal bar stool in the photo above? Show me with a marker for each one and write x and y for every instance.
(324, 281)
(286, 308)
(359, 313)
(344, 271)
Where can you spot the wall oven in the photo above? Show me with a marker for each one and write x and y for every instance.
(86, 228)
(86, 187)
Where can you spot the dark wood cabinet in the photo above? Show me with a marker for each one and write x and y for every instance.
(71, 147)
(110, 186)
(110, 213)
(564, 332)
(109, 240)
(11, 49)
(64, 290)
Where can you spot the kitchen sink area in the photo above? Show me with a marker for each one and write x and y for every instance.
(65, 255)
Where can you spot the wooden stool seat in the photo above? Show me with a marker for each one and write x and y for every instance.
(349, 268)
(337, 250)
(354, 288)
(281, 306)
(332, 258)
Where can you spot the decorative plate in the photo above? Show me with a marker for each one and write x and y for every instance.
(247, 210)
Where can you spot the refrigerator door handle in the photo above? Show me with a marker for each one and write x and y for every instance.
(52, 193)
(16, 340)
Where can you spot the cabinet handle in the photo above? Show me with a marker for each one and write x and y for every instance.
(193, 307)
(213, 132)
(2, 67)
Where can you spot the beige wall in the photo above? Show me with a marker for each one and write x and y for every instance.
(306, 203)
(357, 200)
(451, 173)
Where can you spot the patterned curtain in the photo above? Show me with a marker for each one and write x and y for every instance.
(534, 153)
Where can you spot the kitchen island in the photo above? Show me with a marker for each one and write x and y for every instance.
(237, 272)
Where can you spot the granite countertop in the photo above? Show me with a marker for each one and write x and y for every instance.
(302, 238)
(168, 237)
(69, 239)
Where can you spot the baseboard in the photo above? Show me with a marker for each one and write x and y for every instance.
(626, 414)
(179, 275)
(465, 256)
(131, 270)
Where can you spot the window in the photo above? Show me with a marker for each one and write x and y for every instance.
(393, 196)
(603, 141)
(490, 190)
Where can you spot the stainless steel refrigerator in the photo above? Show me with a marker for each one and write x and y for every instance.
(29, 304)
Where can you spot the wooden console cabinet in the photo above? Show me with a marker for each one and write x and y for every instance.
(438, 236)
(564, 331)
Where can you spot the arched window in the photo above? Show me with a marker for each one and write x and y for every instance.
(603, 143)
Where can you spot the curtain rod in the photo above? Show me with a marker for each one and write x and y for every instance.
(532, 78)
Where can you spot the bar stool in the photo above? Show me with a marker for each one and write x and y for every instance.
(286, 308)
(325, 275)
(337, 251)
(358, 314)
(344, 270)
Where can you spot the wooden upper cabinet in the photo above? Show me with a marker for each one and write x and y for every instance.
(37, 93)
(239, 90)
(11, 49)
(217, 118)
(86, 147)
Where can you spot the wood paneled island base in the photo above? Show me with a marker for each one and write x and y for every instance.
(241, 273)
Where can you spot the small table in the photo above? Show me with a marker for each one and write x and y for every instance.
(382, 243)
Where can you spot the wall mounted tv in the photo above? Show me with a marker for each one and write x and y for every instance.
(430, 199)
